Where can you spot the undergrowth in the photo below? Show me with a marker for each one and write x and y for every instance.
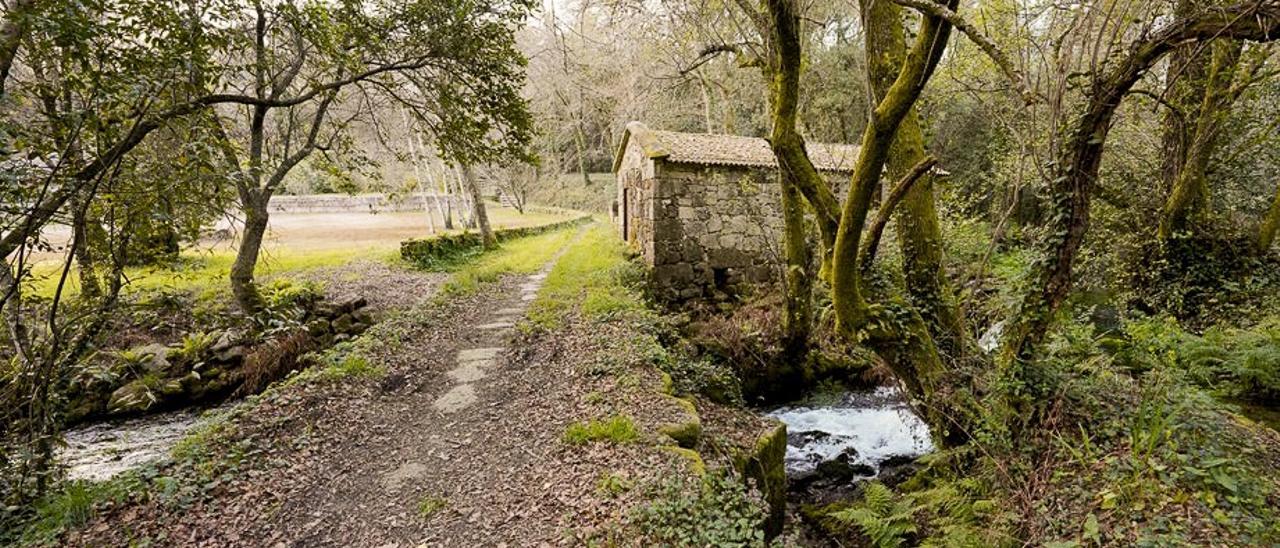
(1132, 450)
(717, 510)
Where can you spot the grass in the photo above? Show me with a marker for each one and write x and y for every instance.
(522, 256)
(595, 276)
(288, 249)
(616, 429)
(429, 505)
(611, 485)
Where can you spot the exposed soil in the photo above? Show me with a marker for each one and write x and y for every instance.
(386, 287)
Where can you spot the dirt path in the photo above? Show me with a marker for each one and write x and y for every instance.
(457, 445)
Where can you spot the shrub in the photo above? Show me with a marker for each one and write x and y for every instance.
(447, 250)
(429, 505)
(718, 510)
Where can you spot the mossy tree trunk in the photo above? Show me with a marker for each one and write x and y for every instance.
(1270, 223)
(1188, 201)
(1184, 89)
(894, 330)
(782, 71)
(919, 234)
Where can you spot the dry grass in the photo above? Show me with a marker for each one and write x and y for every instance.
(271, 361)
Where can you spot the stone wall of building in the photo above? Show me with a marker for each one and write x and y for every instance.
(715, 228)
(702, 228)
(635, 200)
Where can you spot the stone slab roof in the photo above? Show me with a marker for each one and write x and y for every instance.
(727, 150)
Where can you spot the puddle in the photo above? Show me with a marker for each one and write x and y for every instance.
(100, 451)
(857, 435)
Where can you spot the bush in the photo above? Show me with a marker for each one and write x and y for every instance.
(717, 511)
(1240, 363)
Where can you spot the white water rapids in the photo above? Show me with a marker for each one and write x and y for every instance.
(869, 427)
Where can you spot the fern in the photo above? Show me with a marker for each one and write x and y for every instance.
(886, 521)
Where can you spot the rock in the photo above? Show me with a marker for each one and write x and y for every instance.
(801, 439)
(318, 327)
(133, 397)
(842, 470)
(224, 341)
(233, 355)
(688, 430)
(343, 323)
(363, 317)
(350, 304)
(694, 459)
(764, 464)
(171, 388)
(896, 461)
(159, 357)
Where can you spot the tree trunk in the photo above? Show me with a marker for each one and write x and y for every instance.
(706, 103)
(798, 322)
(783, 75)
(243, 286)
(580, 139)
(1270, 223)
(1184, 90)
(1188, 201)
(918, 230)
(82, 248)
(477, 204)
(15, 26)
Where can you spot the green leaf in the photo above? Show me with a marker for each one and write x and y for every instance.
(1090, 529)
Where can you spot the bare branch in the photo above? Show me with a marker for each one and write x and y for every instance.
(891, 202)
(984, 43)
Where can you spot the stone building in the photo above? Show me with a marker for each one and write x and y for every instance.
(705, 210)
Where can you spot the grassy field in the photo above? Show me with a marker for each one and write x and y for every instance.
(294, 242)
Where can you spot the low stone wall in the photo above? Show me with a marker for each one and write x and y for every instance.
(422, 251)
(346, 203)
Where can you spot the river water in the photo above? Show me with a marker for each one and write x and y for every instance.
(100, 451)
(864, 429)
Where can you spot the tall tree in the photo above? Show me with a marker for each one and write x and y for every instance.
(314, 68)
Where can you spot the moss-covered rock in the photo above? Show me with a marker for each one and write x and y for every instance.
(688, 430)
(133, 397)
(696, 464)
(763, 464)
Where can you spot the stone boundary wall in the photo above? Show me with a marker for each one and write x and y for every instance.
(345, 203)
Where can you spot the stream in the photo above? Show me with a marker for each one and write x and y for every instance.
(852, 436)
(100, 451)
